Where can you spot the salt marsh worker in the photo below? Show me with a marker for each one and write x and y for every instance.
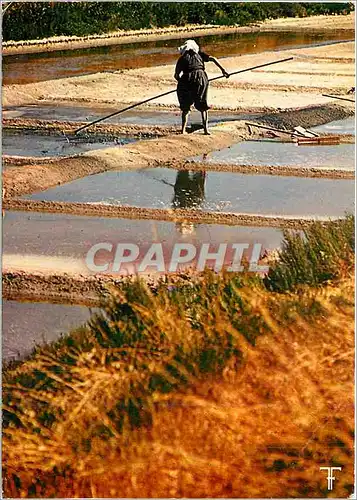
(192, 81)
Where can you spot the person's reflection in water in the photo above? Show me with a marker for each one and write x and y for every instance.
(189, 192)
(189, 189)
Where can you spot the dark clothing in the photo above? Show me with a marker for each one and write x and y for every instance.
(193, 85)
(191, 61)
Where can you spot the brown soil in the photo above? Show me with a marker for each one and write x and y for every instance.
(59, 288)
(9, 161)
(177, 215)
(38, 177)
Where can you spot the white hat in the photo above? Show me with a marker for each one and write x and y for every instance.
(189, 45)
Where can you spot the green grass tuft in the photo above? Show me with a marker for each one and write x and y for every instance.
(323, 253)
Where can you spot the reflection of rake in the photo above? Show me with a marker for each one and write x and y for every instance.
(172, 91)
(158, 180)
(163, 180)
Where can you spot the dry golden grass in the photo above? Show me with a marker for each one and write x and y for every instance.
(261, 427)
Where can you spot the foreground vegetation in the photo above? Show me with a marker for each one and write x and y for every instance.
(320, 254)
(221, 387)
(32, 20)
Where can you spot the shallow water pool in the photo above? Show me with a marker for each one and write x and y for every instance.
(210, 191)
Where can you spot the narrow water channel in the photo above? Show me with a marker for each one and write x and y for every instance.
(29, 68)
(26, 325)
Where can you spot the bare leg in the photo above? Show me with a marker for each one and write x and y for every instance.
(184, 121)
(204, 115)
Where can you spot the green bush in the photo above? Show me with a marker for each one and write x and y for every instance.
(323, 252)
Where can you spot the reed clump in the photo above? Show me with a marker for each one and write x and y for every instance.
(322, 253)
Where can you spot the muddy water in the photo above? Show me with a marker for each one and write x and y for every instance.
(48, 66)
(212, 191)
(346, 126)
(270, 152)
(25, 325)
(14, 144)
(60, 243)
(82, 113)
